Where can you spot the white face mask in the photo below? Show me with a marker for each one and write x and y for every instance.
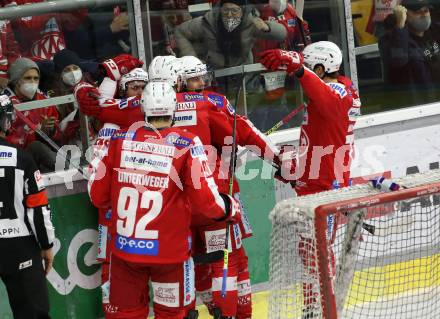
(72, 78)
(231, 23)
(279, 6)
(29, 89)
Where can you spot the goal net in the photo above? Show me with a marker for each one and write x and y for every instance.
(358, 253)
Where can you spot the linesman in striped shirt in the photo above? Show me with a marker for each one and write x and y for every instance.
(26, 231)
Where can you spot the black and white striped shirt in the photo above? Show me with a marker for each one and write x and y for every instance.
(24, 207)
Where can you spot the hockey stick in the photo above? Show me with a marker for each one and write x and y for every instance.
(49, 141)
(231, 186)
(285, 119)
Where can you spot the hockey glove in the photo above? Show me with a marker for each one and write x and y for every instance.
(120, 65)
(276, 59)
(88, 99)
(233, 209)
(286, 162)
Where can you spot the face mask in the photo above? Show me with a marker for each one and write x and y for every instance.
(72, 78)
(231, 23)
(29, 89)
(279, 6)
(421, 24)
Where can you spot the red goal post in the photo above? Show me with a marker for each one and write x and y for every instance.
(324, 264)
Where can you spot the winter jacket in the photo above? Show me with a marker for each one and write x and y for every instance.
(197, 37)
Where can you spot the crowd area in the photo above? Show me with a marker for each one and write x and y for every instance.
(47, 55)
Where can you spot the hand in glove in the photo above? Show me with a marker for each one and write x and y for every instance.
(286, 162)
(233, 209)
(120, 65)
(88, 99)
(277, 59)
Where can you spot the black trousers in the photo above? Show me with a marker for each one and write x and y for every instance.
(22, 272)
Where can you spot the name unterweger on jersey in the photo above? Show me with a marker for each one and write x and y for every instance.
(156, 157)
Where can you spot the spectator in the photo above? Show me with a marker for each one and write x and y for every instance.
(24, 76)
(25, 210)
(9, 50)
(103, 34)
(67, 74)
(225, 36)
(410, 51)
(284, 13)
(41, 36)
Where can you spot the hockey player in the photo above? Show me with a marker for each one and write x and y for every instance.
(326, 138)
(332, 108)
(147, 178)
(26, 231)
(130, 84)
(197, 112)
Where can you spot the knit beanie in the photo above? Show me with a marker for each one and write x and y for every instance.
(20, 67)
(64, 58)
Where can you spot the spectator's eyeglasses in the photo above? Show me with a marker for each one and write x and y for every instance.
(233, 11)
(137, 87)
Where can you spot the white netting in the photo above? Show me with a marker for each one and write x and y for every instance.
(394, 273)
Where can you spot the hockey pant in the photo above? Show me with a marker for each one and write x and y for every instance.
(238, 300)
(172, 284)
(21, 270)
(306, 248)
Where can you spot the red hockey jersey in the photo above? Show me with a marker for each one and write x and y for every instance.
(290, 21)
(147, 178)
(210, 116)
(326, 137)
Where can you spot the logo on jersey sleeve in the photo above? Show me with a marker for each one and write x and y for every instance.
(124, 135)
(178, 141)
(197, 150)
(217, 100)
(339, 89)
(193, 97)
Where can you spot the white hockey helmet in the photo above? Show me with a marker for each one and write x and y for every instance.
(323, 52)
(137, 74)
(159, 99)
(192, 67)
(165, 68)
